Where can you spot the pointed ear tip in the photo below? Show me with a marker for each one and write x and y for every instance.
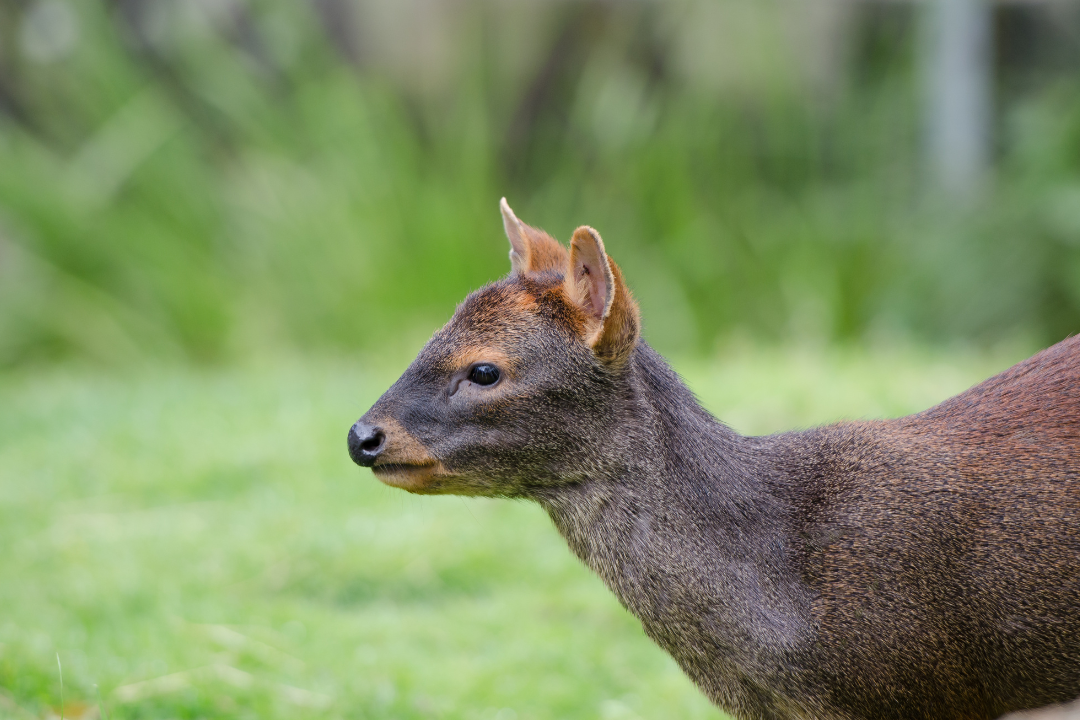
(509, 218)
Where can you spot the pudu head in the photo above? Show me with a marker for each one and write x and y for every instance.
(523, 389)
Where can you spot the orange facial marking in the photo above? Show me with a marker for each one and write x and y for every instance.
(512, 313)
(469, 354)
(523, 302)
(406, 463)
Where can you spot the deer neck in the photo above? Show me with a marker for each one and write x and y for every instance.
(692, 535)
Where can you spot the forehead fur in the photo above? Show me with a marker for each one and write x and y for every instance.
(497, 306)
(500, 317)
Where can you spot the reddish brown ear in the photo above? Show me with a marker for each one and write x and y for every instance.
(531, 250)
(594, 282)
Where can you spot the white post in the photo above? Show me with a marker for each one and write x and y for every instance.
(958, 77)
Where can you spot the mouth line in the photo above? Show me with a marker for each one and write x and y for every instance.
(401, 467)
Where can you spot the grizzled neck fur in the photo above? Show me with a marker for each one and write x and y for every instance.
(730, 585)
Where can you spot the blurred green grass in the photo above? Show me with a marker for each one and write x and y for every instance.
(198, 544)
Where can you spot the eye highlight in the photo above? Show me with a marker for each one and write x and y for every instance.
(484, 374)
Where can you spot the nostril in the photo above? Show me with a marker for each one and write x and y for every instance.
(373, 442)
(366, 442)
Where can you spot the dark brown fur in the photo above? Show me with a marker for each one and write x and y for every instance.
(920, 568)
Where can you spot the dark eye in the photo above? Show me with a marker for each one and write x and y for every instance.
(484, 374)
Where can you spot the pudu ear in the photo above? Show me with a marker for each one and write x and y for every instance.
(594, 282)
(531, 250)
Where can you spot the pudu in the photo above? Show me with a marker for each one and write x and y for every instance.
(922, 568)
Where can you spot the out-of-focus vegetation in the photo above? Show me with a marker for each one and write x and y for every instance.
(196, 544)
(211, 179)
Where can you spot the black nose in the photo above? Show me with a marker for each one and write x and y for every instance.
(366, 442)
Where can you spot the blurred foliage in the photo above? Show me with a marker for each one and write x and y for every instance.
(206, 180)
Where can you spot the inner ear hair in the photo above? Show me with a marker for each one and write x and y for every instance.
(593, 281)
(589, 281)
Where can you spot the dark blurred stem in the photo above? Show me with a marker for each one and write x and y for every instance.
(339, 25)
(129, 14)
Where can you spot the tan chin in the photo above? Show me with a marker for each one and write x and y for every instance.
(420, 479)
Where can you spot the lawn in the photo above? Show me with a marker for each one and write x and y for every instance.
(197, 544)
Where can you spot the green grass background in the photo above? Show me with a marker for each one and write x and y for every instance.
(197, 544)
